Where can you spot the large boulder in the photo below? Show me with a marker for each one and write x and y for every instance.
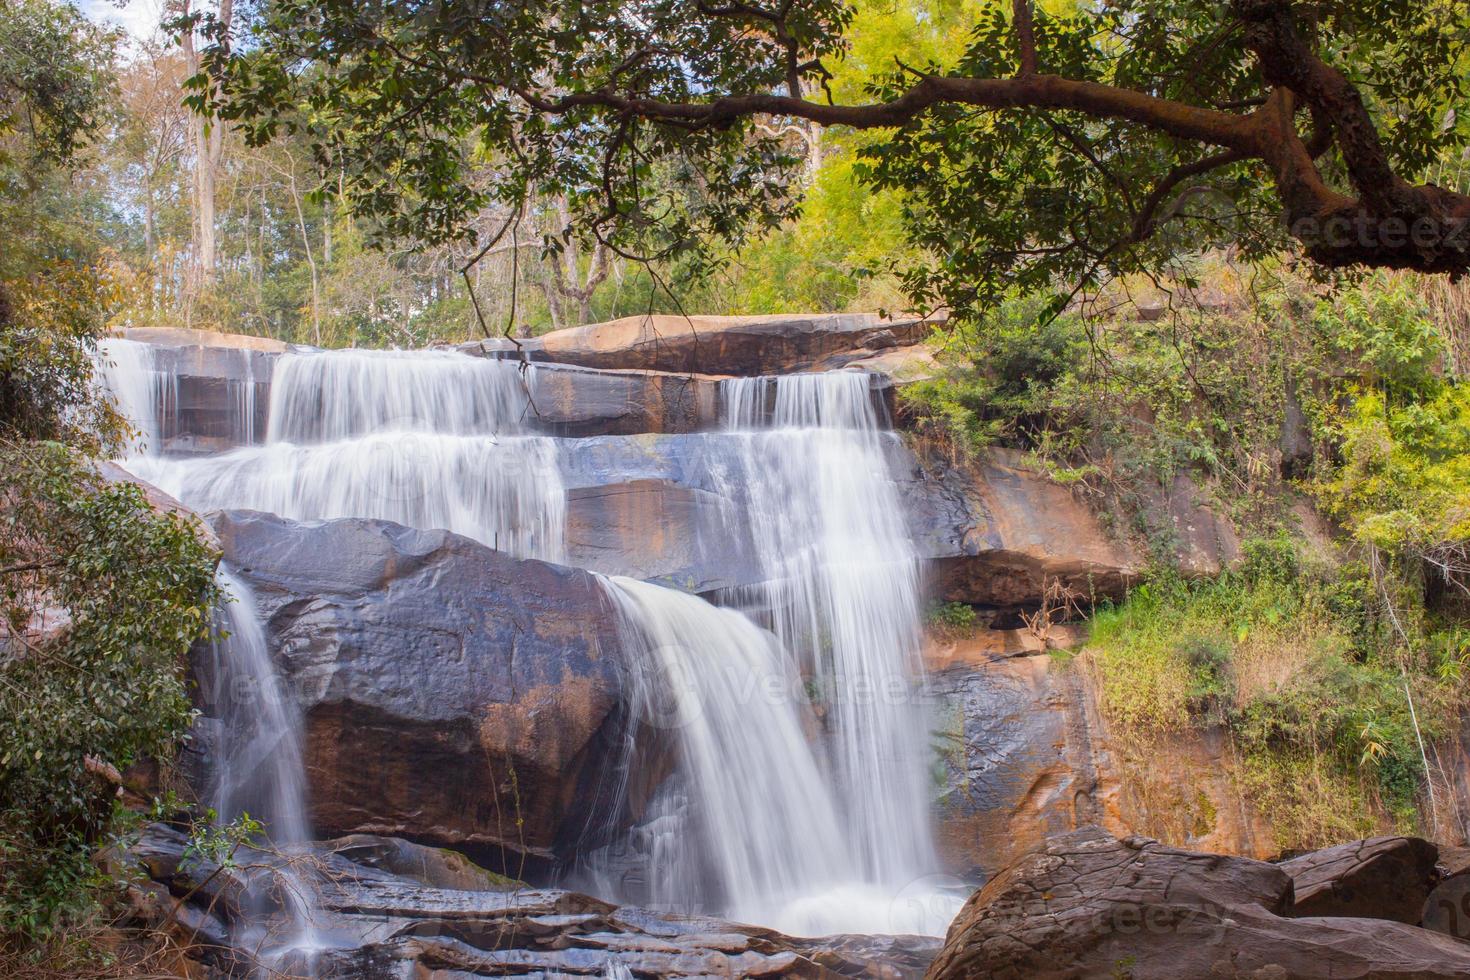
(1090, 905)
(567, 400)
(1017, 531)
(738, 345)
(452, 694)
(1380, 878)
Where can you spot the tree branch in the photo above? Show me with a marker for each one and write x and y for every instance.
(1031, 92)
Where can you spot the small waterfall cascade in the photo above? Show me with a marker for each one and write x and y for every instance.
(732, 700)
(329, 396)
(841, 585)
(431, 439)
(257, 770)
(127, 373)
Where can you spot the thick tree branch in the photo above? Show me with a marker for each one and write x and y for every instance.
(1392, 224)
(1031, 92)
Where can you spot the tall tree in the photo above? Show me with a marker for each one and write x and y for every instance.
(208, 139)
(1068, 145)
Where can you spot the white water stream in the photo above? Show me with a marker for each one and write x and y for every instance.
(141, 393)
(257, 770)
(429, 439)
(841, 583)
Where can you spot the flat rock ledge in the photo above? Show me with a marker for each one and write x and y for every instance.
(374, 924)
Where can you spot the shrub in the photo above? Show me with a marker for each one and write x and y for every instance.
(100, 599)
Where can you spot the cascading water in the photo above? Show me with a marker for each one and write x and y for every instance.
(800, 799)
(505, 492)
(333, 395)
(796, 844)
(143, 395)
(733, 701)
(841, 584)
(430, 439)
(257, 770)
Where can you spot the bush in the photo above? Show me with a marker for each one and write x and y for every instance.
(100, 599)
(999, 388)
(956, 617)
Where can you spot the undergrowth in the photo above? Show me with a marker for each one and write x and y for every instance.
(1284, 655)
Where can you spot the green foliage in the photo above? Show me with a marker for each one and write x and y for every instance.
(100, 598)
(55, 86)
(47, 342)
(1274, 651)
(956, 617)
(54, 79)
(1404, 484)
(606, 103)
(1380, 334)
(1002, 379)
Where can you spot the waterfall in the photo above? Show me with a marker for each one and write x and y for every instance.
(733, 701)
(423, 438)
(257, 769)
(810, 828)
(126, 372)
(799, 799)
(333, 395)
(505, 492)
(842, 588)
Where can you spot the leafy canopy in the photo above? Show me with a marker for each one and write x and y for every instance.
(1097, 141)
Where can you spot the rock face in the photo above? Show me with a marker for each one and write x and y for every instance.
(382, 925)
(1021, 756)
(1090, 905)
(575, 401)
(1021, 531)
(1381, 878)
(738, 345)
(219, 394)
(451, 694)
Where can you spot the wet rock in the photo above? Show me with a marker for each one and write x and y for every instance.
(1024, 532)
(219, 397)
(1089, 905)
(436, 867)
(1020, 759)
(1380, 878)
(372, 924)
(738, 345)
(655, 508)
(575, 401)
(451, 694)
(1008, 532)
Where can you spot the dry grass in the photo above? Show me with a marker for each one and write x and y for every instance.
(1270, 659)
